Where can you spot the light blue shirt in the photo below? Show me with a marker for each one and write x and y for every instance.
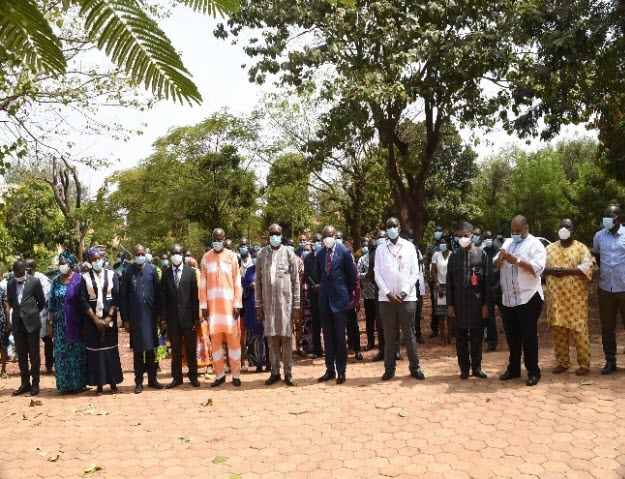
(611, 248)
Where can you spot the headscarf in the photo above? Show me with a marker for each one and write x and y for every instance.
(94, 250)
(255, 249)
(192, 262)
(69, 257)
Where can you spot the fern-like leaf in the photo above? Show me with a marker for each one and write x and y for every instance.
(26, 33)
(135, 42)
(212, 7)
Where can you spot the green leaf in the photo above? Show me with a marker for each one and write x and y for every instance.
(92, 469)
(212, 7)
(135, 42)
(219, 459)
(25, 32)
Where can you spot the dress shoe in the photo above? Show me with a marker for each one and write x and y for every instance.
(388, 375)
(420, 339)
(532, 380)
(478, 373)
(173, 384)
(559, 369)
(99, 390)
(340, 379)
(464, 374)
(358, 356)
(326, 377)
(34, 390)
(582, 372)
(23, 389)
(259, 369)
(433, 334)
(218, 382)
(378, 357)
(491, 348)
(288, 379)
(138, 388)
(398, 357)
(369, 346)
(274, 378)
(155, 385)
(236, 382)
(195, 383)
(114, 388)
(508, 375)
(417, 374)
(609, 368)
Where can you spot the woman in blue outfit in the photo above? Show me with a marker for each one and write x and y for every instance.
(66, 317)
(257, 347)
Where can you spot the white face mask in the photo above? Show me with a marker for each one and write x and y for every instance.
(176, 259)
(564, 234)
(64, 268)
(464, 242)
(329, 242)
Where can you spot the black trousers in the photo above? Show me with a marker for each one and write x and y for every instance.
(334, 325)
(417, 314)
(148, 365)
(27, 347)
(521, 327)
(469, 348)
(609, 306)
(353, 332)
(316, 323)
(48, 349)
(434, 321)
(176, 334)
(370, 315)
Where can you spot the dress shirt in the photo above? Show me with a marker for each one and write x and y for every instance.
(611, 248)
(396, 269)
(19, 290)
(518, 286)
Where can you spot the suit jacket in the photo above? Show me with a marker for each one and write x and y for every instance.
(337, 288)
(310, 273)
(33, 301)
(180, 306)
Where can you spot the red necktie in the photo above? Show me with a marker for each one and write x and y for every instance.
(329, 263)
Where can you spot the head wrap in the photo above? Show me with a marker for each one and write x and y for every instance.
(254, 249)
(94, 250)
(69, 257)
(192, 262)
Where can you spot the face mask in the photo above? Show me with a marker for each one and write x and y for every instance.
(290, 248)
(564, 234)
(317, 246)
(302, 244)
(140, 259)
(488, 242)
(64, 268)
(392, 233)
(165, 263)
(97, 265)
(305, 253)
(464, 242)
(148, 257)
(443, 248)
(329, 242)
(608, 223)
(218, 245)
(253, 261)
(176, 259)
(438, 235)
(517, 238)
(243, 250)
(339, 240)
(20, 280)
(380, 241)
(475, 239)
(365, 250)
(187, 259)
(275, 240)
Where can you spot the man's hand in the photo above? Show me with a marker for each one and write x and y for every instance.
(235, 313)
(503, 254)
(127, 326)
(441, 292)
(451, 312)
(484, 312)
(260, 314)
(205, 314)
(100, 325)
(393, 298)
(510, 258)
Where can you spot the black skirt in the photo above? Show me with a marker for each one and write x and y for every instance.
(103, 363)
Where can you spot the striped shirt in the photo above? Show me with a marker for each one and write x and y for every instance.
(220, 290)
(366, 286)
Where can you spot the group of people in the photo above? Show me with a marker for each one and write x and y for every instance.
(250, 305)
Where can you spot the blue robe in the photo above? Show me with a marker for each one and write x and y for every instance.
(139, 301)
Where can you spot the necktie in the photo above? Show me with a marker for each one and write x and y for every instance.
(177, 277)
(329, 263)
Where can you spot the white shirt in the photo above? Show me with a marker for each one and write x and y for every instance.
(441, 266)
(517, 285)
(396, 269)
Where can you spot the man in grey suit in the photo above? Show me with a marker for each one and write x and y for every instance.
(26, 298)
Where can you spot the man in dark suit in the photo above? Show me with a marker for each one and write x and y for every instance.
(180, 307)
(335, 268)
(314, 286)
(25, 296)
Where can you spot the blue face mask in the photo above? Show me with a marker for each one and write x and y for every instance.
(218, 245)
(488, 242)
(517, 238)
(275, 240)
(438, 235)
(254, 261)
(148, 258)
(392, 233)
(443, 247)
(165, 263)
(339, 241)
(365, 250)
(302, 244)
(243, 250)
(97, 265)
(316, 246)
(608, 223)
(305, 253)
(475, 239)
(380, 241)
(140, 259)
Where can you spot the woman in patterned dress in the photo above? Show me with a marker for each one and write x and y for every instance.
(257, 347)
(4, 332)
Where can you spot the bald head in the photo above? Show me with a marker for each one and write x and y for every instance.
(520, 220)
(328, 231)
(519, 226)
(275, 229)
(219, 234)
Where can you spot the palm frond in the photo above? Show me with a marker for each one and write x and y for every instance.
(135, 42)
(212, 7)
(26, 33)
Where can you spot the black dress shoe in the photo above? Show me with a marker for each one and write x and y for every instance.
(420, 339)
(398, 357)
(464, 374)
(326, 377)
(155, 385)
(532, 380)
(508, 375)
(358, 356)
(218, 382)
(195, 383)
(288, 379)
(417, 374)
(34, 390)
(236, 382)
(478, 373)
(274, 378)
(23, 389)
(173, 384)
(609, 368)
(378, 357)
(138, 388)
(491, 348)
(340, 379)
(388, 375)
(114, 388)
